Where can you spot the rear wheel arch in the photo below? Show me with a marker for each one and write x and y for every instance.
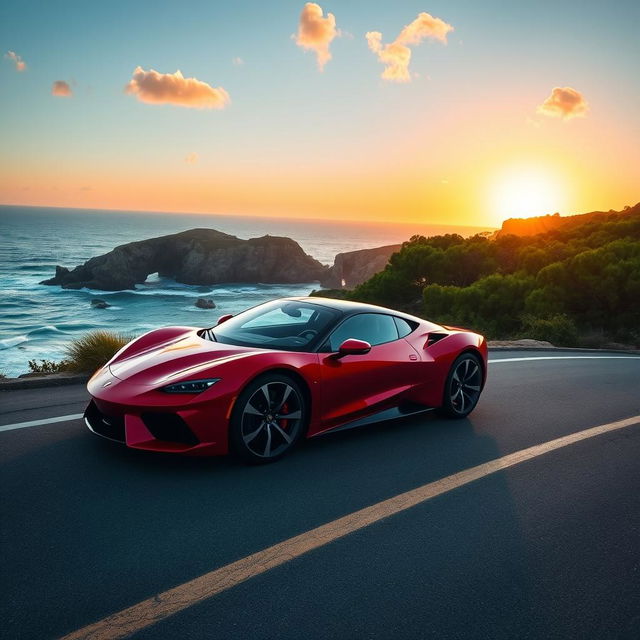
(483, 365)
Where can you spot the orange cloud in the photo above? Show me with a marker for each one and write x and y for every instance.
(191, 158)
(21, 65)
(316, 32)
(396, 55)
(173, 88)
(61, 89)
(564, 102)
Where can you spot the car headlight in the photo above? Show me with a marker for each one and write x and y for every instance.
(190, 386)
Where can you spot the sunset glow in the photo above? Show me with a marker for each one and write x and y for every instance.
(522, 193)
(434, 113)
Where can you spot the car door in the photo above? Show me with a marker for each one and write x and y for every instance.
(358, 385)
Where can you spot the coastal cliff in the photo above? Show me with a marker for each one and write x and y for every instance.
(535, 225)
(198, 256)
(355, 267)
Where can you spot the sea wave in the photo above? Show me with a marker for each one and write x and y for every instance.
(34, 267)
(47, 329)
(185, 292)
(7, 343)
(176, 289)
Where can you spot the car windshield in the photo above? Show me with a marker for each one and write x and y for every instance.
(291, 325)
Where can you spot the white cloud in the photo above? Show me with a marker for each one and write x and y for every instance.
(20, 64)
(61, 89)
(565, 103)
(316, 32)
(173, 88)
(396, 55)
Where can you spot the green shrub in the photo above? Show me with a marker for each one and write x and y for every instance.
(93, 350)
(48, 366)
(492, 305)
(558, 329)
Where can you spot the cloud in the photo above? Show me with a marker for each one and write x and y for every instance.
(191, 158)
(173, 88)
(396, 55)
(237, 61)
(21, 65)
(61, 89)
(564, 102)
(316, 32)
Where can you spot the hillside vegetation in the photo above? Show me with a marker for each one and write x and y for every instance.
(578, 283)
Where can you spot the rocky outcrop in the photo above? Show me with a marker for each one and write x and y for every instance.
(355, 267)
(198, 256)
(205, 303)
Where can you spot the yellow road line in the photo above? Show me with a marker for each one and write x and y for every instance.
(167, 603)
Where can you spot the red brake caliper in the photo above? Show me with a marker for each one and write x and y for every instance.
(284, 423)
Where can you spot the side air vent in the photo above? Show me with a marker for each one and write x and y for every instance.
(435, 337)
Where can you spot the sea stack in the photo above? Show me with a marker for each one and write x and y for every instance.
(199, 257)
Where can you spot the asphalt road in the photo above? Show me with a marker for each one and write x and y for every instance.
(549, 548)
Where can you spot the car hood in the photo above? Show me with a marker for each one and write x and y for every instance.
(189, 357)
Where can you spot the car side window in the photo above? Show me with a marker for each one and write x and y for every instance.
(375, 328)
(404, 327)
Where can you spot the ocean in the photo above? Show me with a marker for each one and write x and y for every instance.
(38, 321)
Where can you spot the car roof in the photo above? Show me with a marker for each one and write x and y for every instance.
(349, 307)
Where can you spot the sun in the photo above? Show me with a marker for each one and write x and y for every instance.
(526, 192)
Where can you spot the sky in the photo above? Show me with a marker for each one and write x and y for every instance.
(443, 112)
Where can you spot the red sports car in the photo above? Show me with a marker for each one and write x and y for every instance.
(294, 368)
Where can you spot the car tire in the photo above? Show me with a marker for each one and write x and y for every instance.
(268, 419)
(462, 387)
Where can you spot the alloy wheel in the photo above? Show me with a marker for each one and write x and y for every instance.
(466, 383)
(271, 419)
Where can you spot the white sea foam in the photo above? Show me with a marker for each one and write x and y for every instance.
(49, 328)
(7, 343)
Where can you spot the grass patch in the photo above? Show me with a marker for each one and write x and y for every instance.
(93, 350)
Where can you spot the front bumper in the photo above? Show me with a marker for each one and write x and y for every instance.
(144, 418)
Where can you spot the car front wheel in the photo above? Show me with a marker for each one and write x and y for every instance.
(268, 419)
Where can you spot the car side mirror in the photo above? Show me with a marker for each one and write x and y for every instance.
(224, 318)
(353, 347)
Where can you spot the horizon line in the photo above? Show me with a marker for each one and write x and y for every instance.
(251, 215)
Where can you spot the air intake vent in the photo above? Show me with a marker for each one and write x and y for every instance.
(169, 427)
(435, 337)
(111, 427)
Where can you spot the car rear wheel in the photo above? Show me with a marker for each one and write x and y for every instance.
(462, 387)
(268, 419)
